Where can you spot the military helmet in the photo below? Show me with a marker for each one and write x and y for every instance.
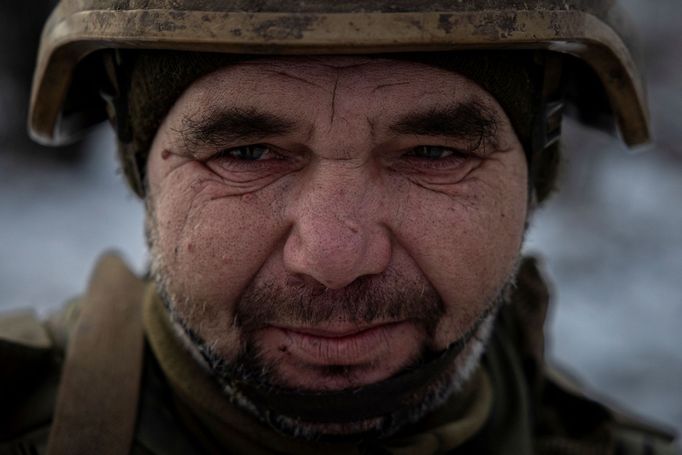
(591, 64)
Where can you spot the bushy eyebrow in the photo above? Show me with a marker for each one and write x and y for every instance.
(469, 121)
(220, 127)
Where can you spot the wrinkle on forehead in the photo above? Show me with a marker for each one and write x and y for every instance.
(303, 69)
(293, 76)
(333, 101)
(389, 85)
(334, 65)
(292, 65)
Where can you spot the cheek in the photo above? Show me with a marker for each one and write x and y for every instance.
(212, 243)
(466, 243)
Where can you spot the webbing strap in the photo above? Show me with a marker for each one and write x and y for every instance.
(99, 390)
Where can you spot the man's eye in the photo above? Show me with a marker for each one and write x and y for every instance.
(432, 152)
(248, 152)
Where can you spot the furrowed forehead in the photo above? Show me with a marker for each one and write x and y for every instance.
(380, 99)
(319, 69)
(376, 78)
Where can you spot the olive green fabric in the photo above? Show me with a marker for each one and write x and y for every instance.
(532, 411)
(100, 379)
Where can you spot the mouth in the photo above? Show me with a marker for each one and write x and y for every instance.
(341, 330)
(335, 355)
(340, 344)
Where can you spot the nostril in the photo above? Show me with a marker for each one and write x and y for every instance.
(303, 281)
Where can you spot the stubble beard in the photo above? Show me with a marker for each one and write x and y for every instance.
(365, 301)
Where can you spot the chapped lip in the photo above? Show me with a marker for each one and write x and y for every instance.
(339, 344)
(336, 331)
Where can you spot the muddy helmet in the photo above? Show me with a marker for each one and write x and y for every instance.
(589, 60)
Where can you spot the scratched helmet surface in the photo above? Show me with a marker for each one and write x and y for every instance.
(591, 37)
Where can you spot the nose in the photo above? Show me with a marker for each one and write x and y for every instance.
(337, 233)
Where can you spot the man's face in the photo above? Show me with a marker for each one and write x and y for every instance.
(336, 218)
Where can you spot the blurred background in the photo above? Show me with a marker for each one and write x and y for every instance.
(611, 239)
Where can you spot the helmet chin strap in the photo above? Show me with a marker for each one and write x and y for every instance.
(393, 395)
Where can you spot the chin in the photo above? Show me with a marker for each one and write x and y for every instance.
(423, 398)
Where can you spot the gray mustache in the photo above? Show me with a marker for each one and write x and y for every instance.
(366, 300)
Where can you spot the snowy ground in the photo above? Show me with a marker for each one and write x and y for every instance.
(612, 239)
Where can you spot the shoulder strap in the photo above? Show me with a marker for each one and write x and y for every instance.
(99, 390)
